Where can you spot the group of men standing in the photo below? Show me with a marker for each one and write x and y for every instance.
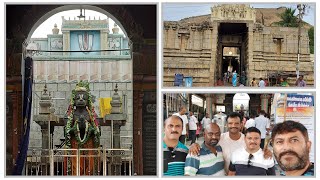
(235, 153)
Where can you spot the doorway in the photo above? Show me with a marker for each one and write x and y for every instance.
(232, 48)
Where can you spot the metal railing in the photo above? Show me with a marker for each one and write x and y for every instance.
(79, 162)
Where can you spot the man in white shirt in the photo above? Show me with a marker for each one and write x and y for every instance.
(262, 83)
(205, 121)
(250, 122)
(262, 123)
(193, 125)
(221, 120)
(181, 114)
(250, 160)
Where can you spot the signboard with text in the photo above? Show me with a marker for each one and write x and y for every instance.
(299, 108)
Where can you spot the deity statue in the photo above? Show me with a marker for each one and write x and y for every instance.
(82, 132)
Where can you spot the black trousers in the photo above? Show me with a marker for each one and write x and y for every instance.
(262, 143)
(182, 139)
(192, 135)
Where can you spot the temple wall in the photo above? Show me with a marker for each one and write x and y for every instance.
(267, 59)
(92, 71)
(190, 50)
(187, 51)
(63, 91)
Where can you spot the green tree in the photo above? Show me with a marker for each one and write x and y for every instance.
(311, 39)
(288, 19)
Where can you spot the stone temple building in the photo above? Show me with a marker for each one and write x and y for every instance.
(236, 36)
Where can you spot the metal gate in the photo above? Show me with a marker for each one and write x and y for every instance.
(53, 162)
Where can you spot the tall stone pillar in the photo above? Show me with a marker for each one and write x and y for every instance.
(209, 105)
(117, 119)
(264, 102)
(66, 42)
(45, 147)
(137, 128)
(249, 58)
(43, 119)
(213, 63)
(104, 40)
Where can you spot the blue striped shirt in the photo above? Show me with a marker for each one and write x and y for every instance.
(174, 159)
(206, 164)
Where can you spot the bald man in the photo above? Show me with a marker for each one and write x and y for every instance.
(210, 162)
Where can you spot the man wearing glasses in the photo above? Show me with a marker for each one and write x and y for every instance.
(174, 152)
(250, 160)
(210, 162)
(291, 148)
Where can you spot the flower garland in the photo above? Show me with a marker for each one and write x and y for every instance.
(77, 133)
(91, 125)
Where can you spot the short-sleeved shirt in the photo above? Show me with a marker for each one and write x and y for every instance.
(185, 122)
(262, 123)
(228, 146)
(207, 163)
(250, 123)
(174, 159)
(262, 83)
(205, 121)
(257, 165)
(193, 123)
(301, 83)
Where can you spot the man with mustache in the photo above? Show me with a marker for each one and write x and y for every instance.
(210, 161)
(291, 148)
(249, 160)
(174, 152)
(230, 141)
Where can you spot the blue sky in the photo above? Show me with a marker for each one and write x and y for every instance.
(177, 11)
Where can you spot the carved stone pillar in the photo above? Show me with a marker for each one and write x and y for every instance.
(45, 147)
(43, 119)
(265, 102)
(249, 59)
(137, 131)
(214, 55)
(116, 159)
(209, 105)
(66, 42)
(104, 41)
(117, 119)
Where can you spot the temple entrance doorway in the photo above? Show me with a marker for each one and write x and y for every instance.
(232, 49)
